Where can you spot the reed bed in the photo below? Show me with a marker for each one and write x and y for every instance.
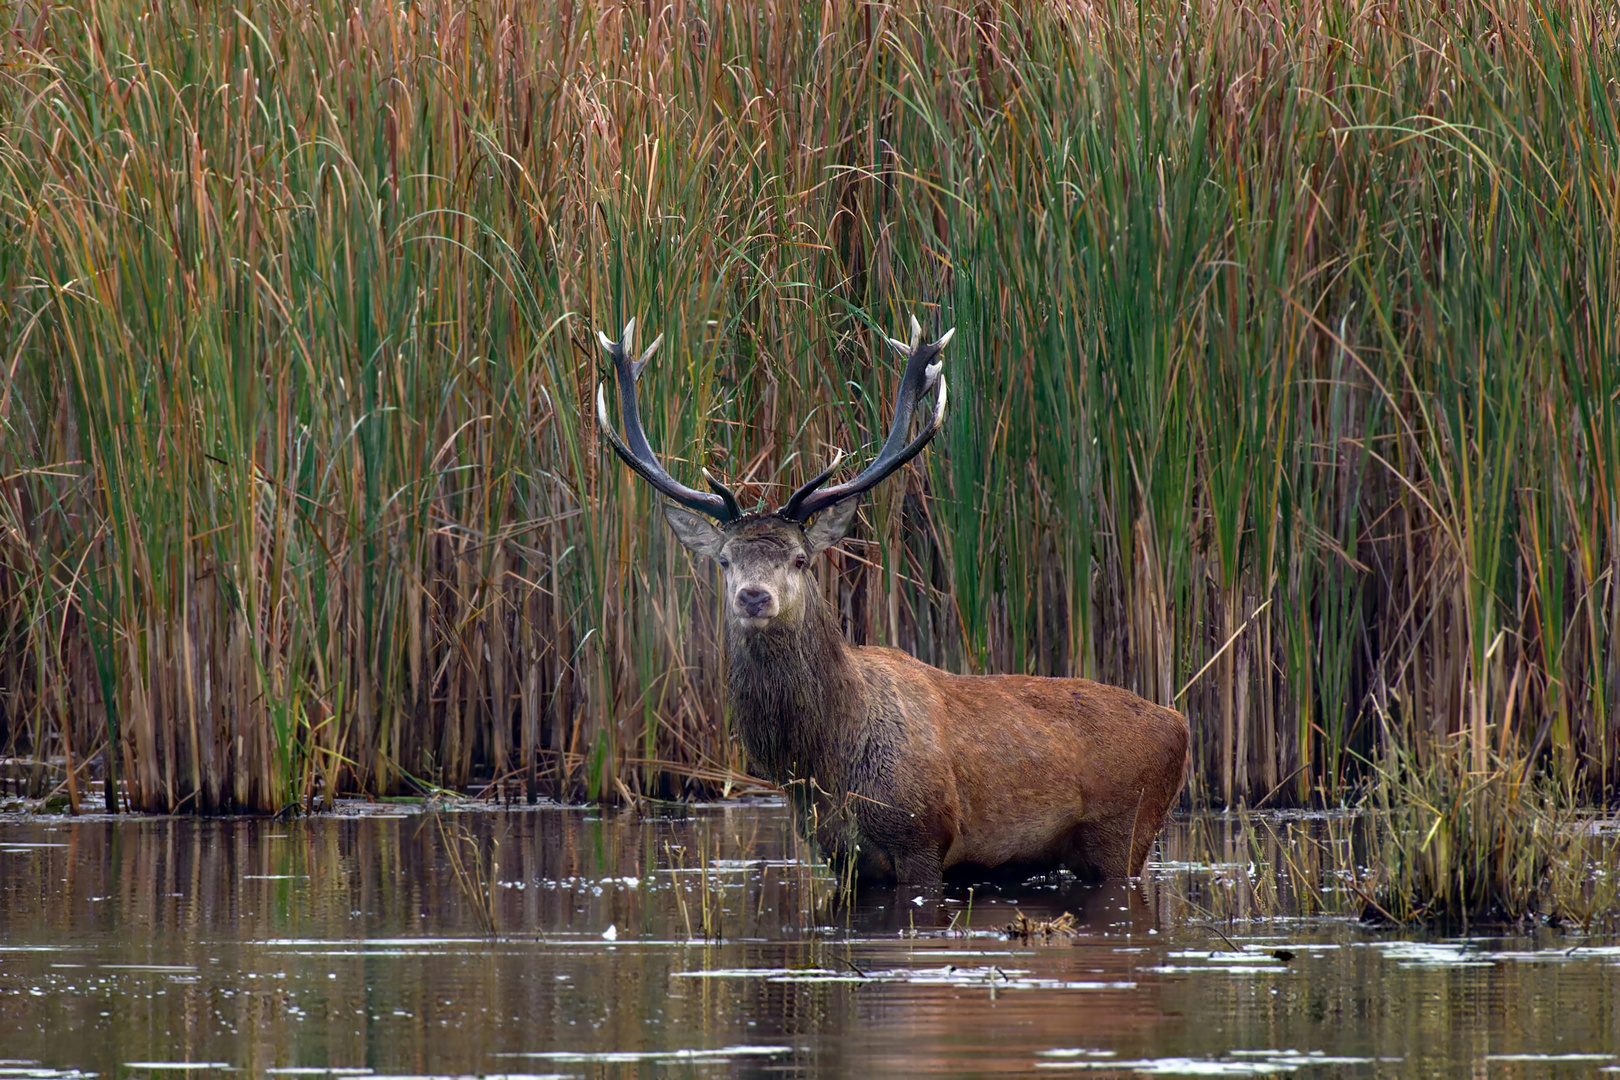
(1286, 385)
(1454, 846)
(1440, 848)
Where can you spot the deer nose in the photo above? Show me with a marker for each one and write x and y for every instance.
(753, 600)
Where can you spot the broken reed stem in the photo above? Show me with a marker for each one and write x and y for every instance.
(1276, 312)
(476, 879)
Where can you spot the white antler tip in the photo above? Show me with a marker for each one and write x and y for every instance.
(648, 355)
(916, 332)
(945, 339)
(628, 338)
(607, 342)
(899, 346)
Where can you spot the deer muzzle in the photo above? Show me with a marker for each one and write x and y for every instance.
(753, 602)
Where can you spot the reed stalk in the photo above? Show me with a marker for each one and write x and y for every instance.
(1294, 325)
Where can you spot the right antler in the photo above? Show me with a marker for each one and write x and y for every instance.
(722, 505)
(923, 368)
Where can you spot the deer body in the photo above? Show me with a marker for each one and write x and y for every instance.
(913, 771)
(904, 769)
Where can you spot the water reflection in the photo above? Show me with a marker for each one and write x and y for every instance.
(700, 944)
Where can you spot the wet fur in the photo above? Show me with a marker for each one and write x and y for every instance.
(912, 771)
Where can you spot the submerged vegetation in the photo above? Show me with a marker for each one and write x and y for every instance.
(1286, 385)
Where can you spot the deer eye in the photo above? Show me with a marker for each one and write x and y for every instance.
(799, 560)
(725, 563)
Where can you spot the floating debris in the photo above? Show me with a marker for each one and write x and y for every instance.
(1432, 954)
(723, 1053)
(1025, 929)
(1073, 1052)
(992, 975)
(1236, 1063)
(181, 1066)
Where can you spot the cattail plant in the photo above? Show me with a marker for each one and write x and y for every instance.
(1286, 338)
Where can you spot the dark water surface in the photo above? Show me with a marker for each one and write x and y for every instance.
(343, 943)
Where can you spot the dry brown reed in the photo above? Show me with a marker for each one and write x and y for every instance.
(1287, 354)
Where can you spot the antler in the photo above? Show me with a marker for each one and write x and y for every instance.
(923, 367)
(722, 505)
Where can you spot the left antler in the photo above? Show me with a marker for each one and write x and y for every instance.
(923, 367)
(722, 505)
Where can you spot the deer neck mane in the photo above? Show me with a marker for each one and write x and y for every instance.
(795, 696)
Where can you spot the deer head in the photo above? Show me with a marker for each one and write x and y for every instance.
(766, 556)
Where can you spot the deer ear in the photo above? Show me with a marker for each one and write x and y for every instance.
(831, 525)
(694, 530)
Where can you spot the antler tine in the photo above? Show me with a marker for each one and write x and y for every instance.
(792, 508)
(634, 448)
(725, 494)
(924, 365)
(646, 357)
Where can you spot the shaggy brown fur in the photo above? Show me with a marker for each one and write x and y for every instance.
(910, 770)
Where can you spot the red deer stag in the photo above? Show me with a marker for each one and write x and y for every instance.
(904, 768)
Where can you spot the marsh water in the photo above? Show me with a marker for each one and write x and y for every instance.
(698, 942)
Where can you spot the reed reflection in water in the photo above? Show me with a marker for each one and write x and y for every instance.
(699, 942)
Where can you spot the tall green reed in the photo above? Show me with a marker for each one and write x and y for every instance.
(1286, 386)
